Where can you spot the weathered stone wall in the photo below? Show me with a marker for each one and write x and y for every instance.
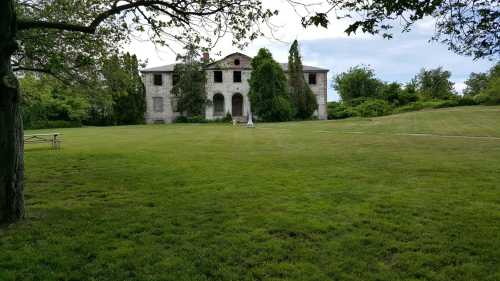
(227, 88)
(320, 91)
(162, 91)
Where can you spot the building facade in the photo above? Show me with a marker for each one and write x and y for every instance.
(227, 88)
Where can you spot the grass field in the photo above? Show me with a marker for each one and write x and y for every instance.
(414, 196)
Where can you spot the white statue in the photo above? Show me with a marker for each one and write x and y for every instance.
(250, 121)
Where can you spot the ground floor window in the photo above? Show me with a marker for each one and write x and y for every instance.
(218, 101)
(157, 104)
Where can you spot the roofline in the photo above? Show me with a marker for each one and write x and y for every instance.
(319, 70)
(235, 53)
(169, 71)
(157, 71)
(217, 61)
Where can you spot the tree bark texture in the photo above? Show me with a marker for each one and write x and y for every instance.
(11, 124)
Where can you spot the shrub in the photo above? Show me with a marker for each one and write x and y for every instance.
(357, 101)
(197, 119)
(193, 119)
(491, 95)
(373, 108)
(466, 100)
(181, 119)
(447, 103)
(488, 98)
(281, 110)
(457, 101)
(414, 106)
(227, 118)
(337, 110)
(48, 124)
(407, 96)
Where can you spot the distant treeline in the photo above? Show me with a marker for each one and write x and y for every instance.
(362, 94)
(113, 96)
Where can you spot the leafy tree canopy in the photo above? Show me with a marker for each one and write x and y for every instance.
(123, 79)
(468, 27)
(357, 82)
(62, 37)
(189, 88)
(117, 97)
(47, 100)
(485, 87)
(48, 43)
(435, 83)
(476, 83)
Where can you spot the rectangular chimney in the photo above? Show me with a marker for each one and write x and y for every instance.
(206, 57)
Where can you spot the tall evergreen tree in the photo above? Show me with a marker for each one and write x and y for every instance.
(188, 90)
(302, 98)
(268, 89)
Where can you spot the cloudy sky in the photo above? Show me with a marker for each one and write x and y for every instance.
(398, 59)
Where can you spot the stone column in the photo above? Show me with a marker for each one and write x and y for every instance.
(228, 101)
(209, 109)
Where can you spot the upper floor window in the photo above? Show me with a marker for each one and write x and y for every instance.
(218, 76)
(312, 78)
(237, 62)
(157, 80)
(237, 76)
(157, 104)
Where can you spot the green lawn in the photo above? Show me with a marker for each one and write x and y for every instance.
(357, 199)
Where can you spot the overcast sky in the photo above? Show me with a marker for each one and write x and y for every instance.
(399, 59)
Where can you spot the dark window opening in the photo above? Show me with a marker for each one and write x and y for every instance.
(218, 105)
(158, 80)
(237, 105)
(312, 78)
(218, 76)
(237, 62)
(237, 76)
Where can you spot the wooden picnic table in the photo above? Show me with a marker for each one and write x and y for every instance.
(52, 138)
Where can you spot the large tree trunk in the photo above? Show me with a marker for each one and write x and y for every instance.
(11, 124)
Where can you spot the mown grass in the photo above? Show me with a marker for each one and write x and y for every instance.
(323, 200)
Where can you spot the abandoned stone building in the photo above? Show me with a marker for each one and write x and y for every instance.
(227, 88)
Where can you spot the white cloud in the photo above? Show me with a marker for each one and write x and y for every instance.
(398, 59)
(460, 87)
(426, 25)
(283, 29)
